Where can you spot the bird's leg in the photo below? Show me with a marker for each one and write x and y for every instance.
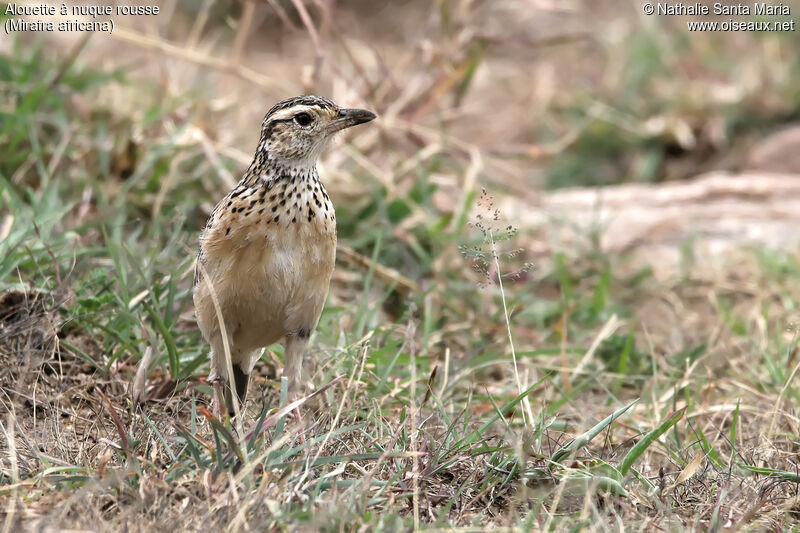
(293, 369)
(216, 404)
(240, 381)
(219, 374)
(296, 343)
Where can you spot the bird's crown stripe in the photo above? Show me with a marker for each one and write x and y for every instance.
(305, 100)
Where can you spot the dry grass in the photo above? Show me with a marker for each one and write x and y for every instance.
(450, 376)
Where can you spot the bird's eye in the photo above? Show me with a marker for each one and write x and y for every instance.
(304, 119)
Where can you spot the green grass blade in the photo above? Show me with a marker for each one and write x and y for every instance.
(581, 441)
(639, 448)
(169, 340)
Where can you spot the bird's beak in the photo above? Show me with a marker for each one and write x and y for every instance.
(348, 118)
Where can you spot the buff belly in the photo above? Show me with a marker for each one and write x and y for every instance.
(269, 284)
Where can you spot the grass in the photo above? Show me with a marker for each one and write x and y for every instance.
(453, 386)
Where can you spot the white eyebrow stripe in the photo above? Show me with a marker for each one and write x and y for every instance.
(290, 112)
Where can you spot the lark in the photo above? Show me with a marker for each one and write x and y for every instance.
(268, 250)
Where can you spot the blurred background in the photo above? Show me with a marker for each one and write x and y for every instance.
(521, 96)
(633, 185)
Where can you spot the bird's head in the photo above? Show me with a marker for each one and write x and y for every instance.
(296, 130)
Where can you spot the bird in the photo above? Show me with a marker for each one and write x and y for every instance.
(268, 249)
